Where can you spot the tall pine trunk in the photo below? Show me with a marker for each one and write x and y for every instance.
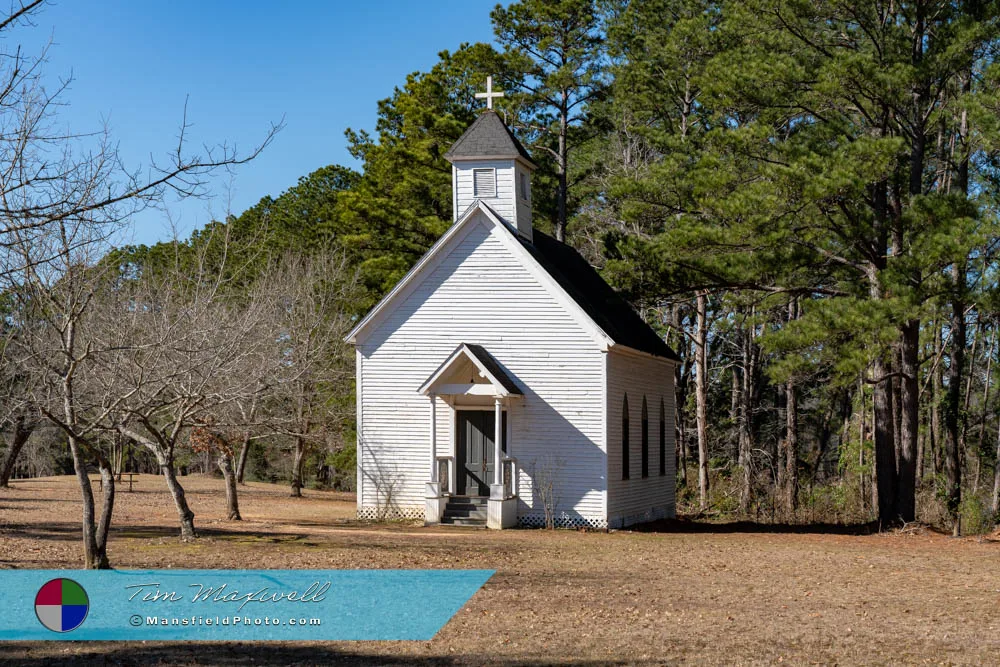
(986, 390)
(909, 420)
(883, 426)
(909, 333)
(937, 389)
(956, 367)
(788, 460)
(953, 401)
(680, 451)
(862, 431)
(791, 453)
(885, 446)
(562, 162)
(883, 414)
(746, 411)
(701, 396)
(897, 411)
(925, 441)
(985, 402)
(996, 479)
(792, 429)
(682, 375)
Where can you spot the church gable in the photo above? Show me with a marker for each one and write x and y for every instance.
(480, 279)
(477, 226)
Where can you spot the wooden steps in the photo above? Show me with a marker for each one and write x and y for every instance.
(465, 511)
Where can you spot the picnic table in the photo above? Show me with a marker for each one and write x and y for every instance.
(131, 478)
(121, 476)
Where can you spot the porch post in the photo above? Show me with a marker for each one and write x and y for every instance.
(433, 501)
(452, 450)
(497, 442)
(434, 467)
(501, 511)
(515, 470)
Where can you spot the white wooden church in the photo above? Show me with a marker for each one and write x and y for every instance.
(501, 334)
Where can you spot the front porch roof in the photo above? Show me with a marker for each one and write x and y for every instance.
(442, 382)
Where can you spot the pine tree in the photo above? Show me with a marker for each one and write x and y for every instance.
(554, 54)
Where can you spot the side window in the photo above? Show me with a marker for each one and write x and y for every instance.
(663, 440)
(625, 445)
(645, 439)
(525, 190)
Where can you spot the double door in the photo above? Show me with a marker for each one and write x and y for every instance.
(476, 432)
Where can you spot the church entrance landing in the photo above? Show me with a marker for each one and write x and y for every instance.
(478, 467)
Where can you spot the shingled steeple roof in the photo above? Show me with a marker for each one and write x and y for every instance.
(488, 138)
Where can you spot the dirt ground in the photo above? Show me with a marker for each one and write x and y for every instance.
(673, 593)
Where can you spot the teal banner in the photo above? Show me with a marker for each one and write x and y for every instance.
(237, 605)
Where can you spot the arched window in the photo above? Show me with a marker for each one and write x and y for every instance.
(663, 440)
(645, 439)
(625, 446)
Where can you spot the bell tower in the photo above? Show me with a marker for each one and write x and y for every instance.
(490, 165)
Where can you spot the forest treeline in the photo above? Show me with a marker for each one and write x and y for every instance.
(801, 197)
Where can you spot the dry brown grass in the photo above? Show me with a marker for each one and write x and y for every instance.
(709, 594)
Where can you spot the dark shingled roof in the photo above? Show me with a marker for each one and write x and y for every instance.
(487, 137)
(487, 360)
(609, 310)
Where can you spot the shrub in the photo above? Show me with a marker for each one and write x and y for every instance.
(977, 518)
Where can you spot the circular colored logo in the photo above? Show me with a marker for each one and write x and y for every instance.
(61, 605)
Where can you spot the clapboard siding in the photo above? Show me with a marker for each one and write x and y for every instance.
(637, 499)
(478, 291)
(502, 203)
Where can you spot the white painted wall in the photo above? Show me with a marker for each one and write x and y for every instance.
(478, 291)
(639, 499)
(503, 203)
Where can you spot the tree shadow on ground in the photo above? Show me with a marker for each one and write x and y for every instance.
(683, 525)
(32, 499)
(70, 532)
(263, 653)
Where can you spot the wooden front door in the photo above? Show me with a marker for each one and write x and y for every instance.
(474, 445)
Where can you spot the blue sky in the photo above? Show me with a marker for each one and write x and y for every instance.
(320, 65)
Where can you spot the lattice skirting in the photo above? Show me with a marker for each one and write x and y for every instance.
(373, 513)
(563, 520)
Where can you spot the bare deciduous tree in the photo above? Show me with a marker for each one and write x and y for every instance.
(177, 349)
(311, 318)
(544, 473)
(62, 198)
(53, 299)
(18, 419)
(214, 441)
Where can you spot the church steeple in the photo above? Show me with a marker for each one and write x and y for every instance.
(491, 165)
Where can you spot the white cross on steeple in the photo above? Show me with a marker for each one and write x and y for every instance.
(489, 94)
